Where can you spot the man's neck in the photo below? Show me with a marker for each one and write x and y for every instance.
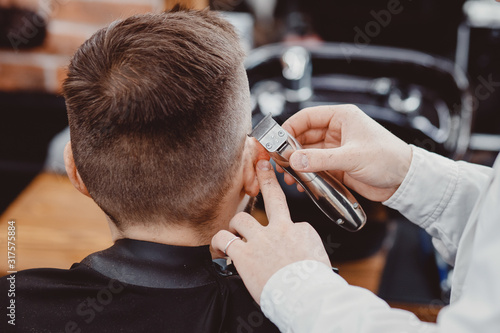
(181, 233)
(171, 234)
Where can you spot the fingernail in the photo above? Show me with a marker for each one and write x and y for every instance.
(264, 165)
(299, 161)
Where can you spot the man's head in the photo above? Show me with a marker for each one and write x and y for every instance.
(158, 107)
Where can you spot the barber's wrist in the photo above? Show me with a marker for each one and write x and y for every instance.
(283, 291)
(407, 171)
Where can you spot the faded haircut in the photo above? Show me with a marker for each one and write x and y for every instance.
(158, 108)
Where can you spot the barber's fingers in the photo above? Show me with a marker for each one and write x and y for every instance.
(314, 160)
(242, 225)
(288, 179)
(315, 138)
(245, 225)
(318, 117)
(220, 242)
(286, 176)
(274, 198)
(279, 168)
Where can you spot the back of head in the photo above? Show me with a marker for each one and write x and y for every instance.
(157, 107)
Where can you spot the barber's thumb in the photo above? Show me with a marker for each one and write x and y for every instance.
(314, 160)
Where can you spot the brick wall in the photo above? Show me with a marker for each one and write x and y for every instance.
(69, 24)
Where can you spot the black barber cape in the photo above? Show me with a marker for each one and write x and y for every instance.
(134, 286)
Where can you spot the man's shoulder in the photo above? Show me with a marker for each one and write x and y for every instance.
(46, 277)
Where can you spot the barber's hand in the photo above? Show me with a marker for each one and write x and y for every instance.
(353, 147)
(264, 250)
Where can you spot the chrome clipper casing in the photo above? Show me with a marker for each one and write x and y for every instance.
(332, 198)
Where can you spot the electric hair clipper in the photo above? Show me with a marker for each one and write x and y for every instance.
(334, 200)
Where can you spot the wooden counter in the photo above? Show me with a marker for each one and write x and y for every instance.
(55, 225)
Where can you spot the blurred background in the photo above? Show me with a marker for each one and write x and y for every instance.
(427, 70)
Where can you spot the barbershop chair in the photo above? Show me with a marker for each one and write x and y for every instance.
(28, 121)
(422, 99)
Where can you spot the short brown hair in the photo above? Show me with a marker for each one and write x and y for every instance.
(156, 106)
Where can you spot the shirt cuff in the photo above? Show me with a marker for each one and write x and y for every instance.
(284, 293)
(426, 189)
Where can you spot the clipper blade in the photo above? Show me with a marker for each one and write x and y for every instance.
(263, 127)
(270, 134)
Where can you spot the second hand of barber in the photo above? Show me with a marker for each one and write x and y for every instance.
(266, 249)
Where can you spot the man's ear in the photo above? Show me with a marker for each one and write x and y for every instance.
(253, 153)
(72, 172)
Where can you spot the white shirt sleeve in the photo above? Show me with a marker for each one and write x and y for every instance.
(308, 297)
(439, 194)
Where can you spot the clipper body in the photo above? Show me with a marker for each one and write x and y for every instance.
(334, 200)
